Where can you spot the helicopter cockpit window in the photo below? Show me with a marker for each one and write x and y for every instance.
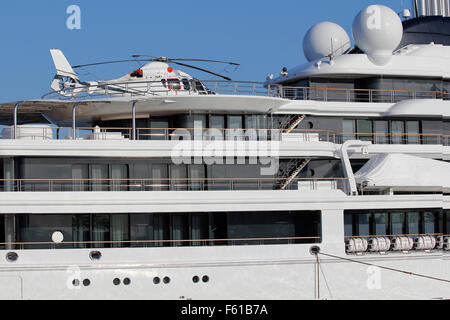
(199, 86)
(174, 84)
(186, 84)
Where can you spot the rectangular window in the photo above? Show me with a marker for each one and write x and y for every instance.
(216, 128)
(429, 223)
(120, 230)
(364, 224)
(2, 231)
(380, 221)
(405, 222)
(348, 224)
(80, 174)
(101, 230)
(349, 130)
(234, 128)
(381, 130)
(168, 229)
(197, 174)
(251, 127)
(81, 227)
(273, 227)
(412, 130)
(158, 129)
(217, 228)
(217, 121)
(397, 223)
(447, 222)
(161, 229)
(189, 122)
(119, 176)
(364, 128)
(180, 229)
(398, 132)
(159, 180)
(99, 175)
(199, 228)
(178, 177)
(141, 229)
(413, 222)
(39, 228)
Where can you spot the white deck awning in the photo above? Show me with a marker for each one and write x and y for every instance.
(401, 172)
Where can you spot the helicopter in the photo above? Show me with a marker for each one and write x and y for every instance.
(155, 77)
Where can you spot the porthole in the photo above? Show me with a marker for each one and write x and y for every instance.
(116, 281)
(195, 279)
(126, 281)
(75, 282)
(12, 256)
(156, 280)
(95, 255)
(166, 280)
(205, 279)
(86, 282)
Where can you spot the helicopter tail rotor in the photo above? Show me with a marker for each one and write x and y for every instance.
(65, 79)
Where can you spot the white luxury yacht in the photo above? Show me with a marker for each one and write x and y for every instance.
(330, 180)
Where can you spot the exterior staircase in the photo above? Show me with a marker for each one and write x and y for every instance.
(293, 168)
(290, 122)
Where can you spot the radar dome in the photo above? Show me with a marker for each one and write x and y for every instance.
(323, 39)
(377, 30)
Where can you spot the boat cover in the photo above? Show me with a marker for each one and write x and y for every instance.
(404, 172)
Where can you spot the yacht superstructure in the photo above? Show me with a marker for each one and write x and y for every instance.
(329, 181)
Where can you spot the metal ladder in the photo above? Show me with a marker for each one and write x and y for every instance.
(289, 123)
(292, 169)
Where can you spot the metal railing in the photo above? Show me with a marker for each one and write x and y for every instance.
(209, 87)
(206, 134)
(158, 243)
(358, 95)
(157, 88)
(160, 184)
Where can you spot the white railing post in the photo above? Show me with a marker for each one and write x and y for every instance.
(16, 106)
(133, 120)
(74, 121)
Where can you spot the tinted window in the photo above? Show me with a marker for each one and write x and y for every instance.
(2, 231)
(186, 84)
(174, 84)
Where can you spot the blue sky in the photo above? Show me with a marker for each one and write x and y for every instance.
(263, 36)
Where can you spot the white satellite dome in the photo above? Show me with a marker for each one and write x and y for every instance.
(377, 30)
(323, 39)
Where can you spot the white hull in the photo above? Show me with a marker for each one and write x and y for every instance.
(253, 272)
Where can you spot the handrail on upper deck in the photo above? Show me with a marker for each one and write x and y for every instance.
(252, 134)
(255, 88)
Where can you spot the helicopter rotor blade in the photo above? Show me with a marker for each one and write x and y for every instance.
(161, 59)
(204, 70)
(206, 60)
(165, 59)
(110, 62)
